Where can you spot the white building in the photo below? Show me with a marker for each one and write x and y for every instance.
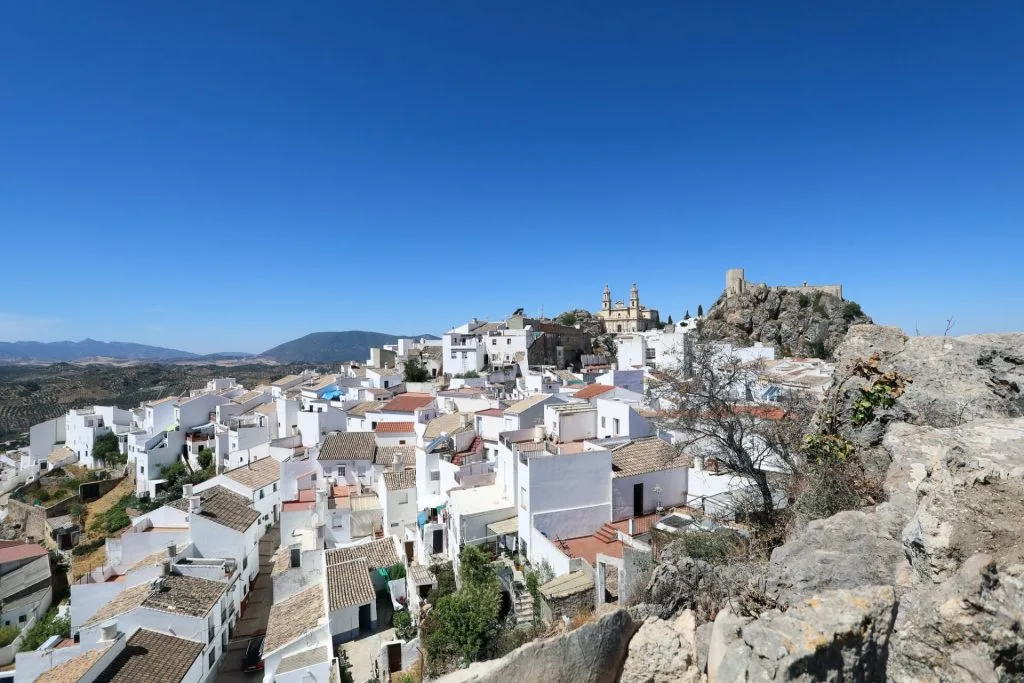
(84, 425)
(258, 481)
(397, 493)
(25, 583)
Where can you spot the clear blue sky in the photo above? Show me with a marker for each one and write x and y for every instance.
(227, 176)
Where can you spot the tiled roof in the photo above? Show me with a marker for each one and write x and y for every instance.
(282, 561)
(247, 396)
(407, 403)
(267, 408)
(222, 506)
(566, 585)
(317, 655)
(287, 379)
(321, 383)
(400, 480)
(361, 409)
(395, 428)
(73, 669)
(161, 401)
(180, 595)
(21, 551)
(348, 446)
(526, 404)
(291, 618)
(421, 575)
(448, 422)
(152, 657)
(256, 475)
(593, 390)
(379, 553)
(646, 455)
(380, 393)
(386, 372)
(348, 584)
(385, 455)
(491, 412)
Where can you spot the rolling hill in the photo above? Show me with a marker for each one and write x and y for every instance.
(334, 347)
(68, 351)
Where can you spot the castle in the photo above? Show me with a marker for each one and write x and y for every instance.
(622, 318)
(736, 284)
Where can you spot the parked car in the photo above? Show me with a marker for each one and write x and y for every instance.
(253, 659)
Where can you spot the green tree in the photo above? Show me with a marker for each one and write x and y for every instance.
(415, 372)
(457, 628)
(446, 585)
(49, 625)
(700, 311)
(404, 628)
(670, 320)
(107, 449)
(8, 634)
(205, 457)
(475, 567)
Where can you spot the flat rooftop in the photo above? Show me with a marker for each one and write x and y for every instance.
(480, 499)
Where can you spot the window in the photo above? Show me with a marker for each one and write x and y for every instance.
(615, 426)
(394, 524)
(341, 470)
(213, 656)
(23, 618)
(401, 442)
(263, 494)
(603, 421)
(435, 475)
(522, 497)
(453, 355)
(508, 340)
(385, 384)
(494, 342)
(245, 563)
(403, 498)
(275, 487)
(142, 469)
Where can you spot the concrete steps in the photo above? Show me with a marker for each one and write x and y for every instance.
(607, 533)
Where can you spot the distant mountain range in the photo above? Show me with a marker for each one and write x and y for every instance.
(334, 347)
(66, 351)
(318, 347)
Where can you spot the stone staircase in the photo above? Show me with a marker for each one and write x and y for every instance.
(524, 609)
(607, 533)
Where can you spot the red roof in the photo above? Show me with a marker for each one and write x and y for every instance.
(394, 428)
(407, 403)
(593, 390)
(21, 551)
(492, 412)
(294, 505)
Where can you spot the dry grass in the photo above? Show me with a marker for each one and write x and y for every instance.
(82, 564)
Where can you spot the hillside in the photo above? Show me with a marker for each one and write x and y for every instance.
(811, 324)
(67, 351)
(33, 393)
(334, 347)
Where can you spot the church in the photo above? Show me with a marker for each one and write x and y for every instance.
(622, 319)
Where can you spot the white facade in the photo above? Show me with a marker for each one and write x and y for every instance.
(664, 488)
(84, 425)
(618, 418)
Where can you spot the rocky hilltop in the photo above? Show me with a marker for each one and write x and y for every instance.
(802, 324)
(925, 585)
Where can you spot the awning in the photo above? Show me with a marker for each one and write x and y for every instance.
(505, 526)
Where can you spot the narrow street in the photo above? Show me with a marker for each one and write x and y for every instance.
(254, 621)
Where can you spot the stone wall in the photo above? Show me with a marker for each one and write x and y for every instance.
(568, 606)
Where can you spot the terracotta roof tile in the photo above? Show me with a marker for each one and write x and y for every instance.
(526, 404)
(385, 455)
(400, 480)
(449, 422)
(348, 446)
(379, 553)
(222, 506)
(152, 657)
(180, 595)
(73, 669)
(348, 584)
(407, 403)
(646, 455)
(361, 409)
(593, 390)
(304, 659)
(395, 428)
(256, 475)
(292, 618)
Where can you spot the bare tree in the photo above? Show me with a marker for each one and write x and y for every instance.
(708, 400)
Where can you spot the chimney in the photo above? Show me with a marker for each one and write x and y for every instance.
(165, 568)
(538, 433)
(195, 505)
(463, 419)
(172, 550)
(108, 632)
(186, 491)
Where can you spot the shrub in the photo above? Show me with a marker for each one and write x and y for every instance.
(404, 627)
(49, 625)
(396, 571)
(86, 548)
(716, 547)
(8, 634)
(205, 457)
(445, 575)
(414, 372)
(852, 311)
(804, 300)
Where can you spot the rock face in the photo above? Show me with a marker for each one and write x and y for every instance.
(593, 653)
(836, 636)
(684, 583)
(967, 629)
(663, 652)
(801, 324)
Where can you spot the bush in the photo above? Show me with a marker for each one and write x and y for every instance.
(396, 571)
(205, 458)
(414, 372)
(86, 548)
(107, 449)
(716, 547)
(116, 517)
(404, 628)
(804, 300)
(445, 575)
(8, 634)
(852, 311)
(49, 625)
(472, 374)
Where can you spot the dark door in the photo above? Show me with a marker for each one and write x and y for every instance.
(638, 499)
(438, 541)
(365, 624)
(394, 657)
(409, 551)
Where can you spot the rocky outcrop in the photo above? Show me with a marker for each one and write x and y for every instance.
(803, 324)
(593, 653)
(684, 583)
(838, 635)
(969, 628)
(663, 652)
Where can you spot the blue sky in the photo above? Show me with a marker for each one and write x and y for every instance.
(227, 176)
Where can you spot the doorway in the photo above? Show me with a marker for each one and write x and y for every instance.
(638, 500)
(438, 541)
(409, 552)
(365, 619)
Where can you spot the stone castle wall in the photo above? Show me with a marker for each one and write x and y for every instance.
(736, 283)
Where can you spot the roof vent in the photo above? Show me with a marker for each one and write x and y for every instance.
(195, 505)
(108, 631)
(186, 491)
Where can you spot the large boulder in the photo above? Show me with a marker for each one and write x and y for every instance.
(840, 635)
(969, 628)
(680, 582)
(663, 652)
(592, 653)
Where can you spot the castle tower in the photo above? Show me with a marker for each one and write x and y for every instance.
(606, 300)
(634, 298)
(734, 280)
